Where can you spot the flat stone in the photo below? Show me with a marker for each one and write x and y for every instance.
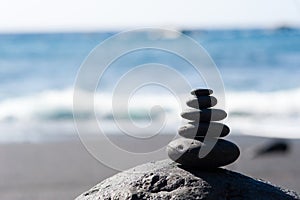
(200, 130)
(186, 152)
(166, 180)
(204, 115)
(201, 92)
(202, 102)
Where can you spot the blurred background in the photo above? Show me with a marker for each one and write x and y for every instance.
(255, 45)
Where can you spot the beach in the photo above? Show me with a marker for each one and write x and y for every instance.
(127, 72)
(41, 155)
(65, 169)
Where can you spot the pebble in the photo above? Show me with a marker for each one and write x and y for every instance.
(200, 130)
(202, 102)
(201, 92)
(185, 152)
(204, 115)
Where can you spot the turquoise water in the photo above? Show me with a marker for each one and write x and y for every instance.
(260, 70)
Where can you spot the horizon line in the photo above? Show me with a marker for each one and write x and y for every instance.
(120, 29)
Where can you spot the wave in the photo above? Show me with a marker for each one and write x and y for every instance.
(58, 105)
(271, 114)
(274, 114)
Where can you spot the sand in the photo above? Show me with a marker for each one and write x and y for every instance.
(63, 170)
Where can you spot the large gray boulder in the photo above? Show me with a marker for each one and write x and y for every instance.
(168, 180)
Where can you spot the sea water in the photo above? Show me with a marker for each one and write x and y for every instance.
(260, 70)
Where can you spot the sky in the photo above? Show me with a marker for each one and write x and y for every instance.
(92, 15)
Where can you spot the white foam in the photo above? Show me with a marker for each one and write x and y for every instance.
(267, 114)
(281, 103)
(271, 114)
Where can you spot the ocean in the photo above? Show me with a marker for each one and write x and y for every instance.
(260, 70)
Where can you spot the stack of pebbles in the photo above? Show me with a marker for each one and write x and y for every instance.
(202, 123)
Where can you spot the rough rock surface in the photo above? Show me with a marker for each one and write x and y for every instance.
(168, 180)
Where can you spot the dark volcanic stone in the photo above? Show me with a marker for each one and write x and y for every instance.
(201, 130)
(165, 180)
(204, 115)
(186, 152)
(202, 102)
(201, 92)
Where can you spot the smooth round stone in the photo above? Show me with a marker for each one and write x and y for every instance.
(205, 115)
(199, 130)
(186, 152)
(202, 102)
(201, 92)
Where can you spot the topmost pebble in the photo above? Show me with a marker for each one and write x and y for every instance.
(201, 92)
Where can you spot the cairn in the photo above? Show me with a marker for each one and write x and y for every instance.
(202, 122)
